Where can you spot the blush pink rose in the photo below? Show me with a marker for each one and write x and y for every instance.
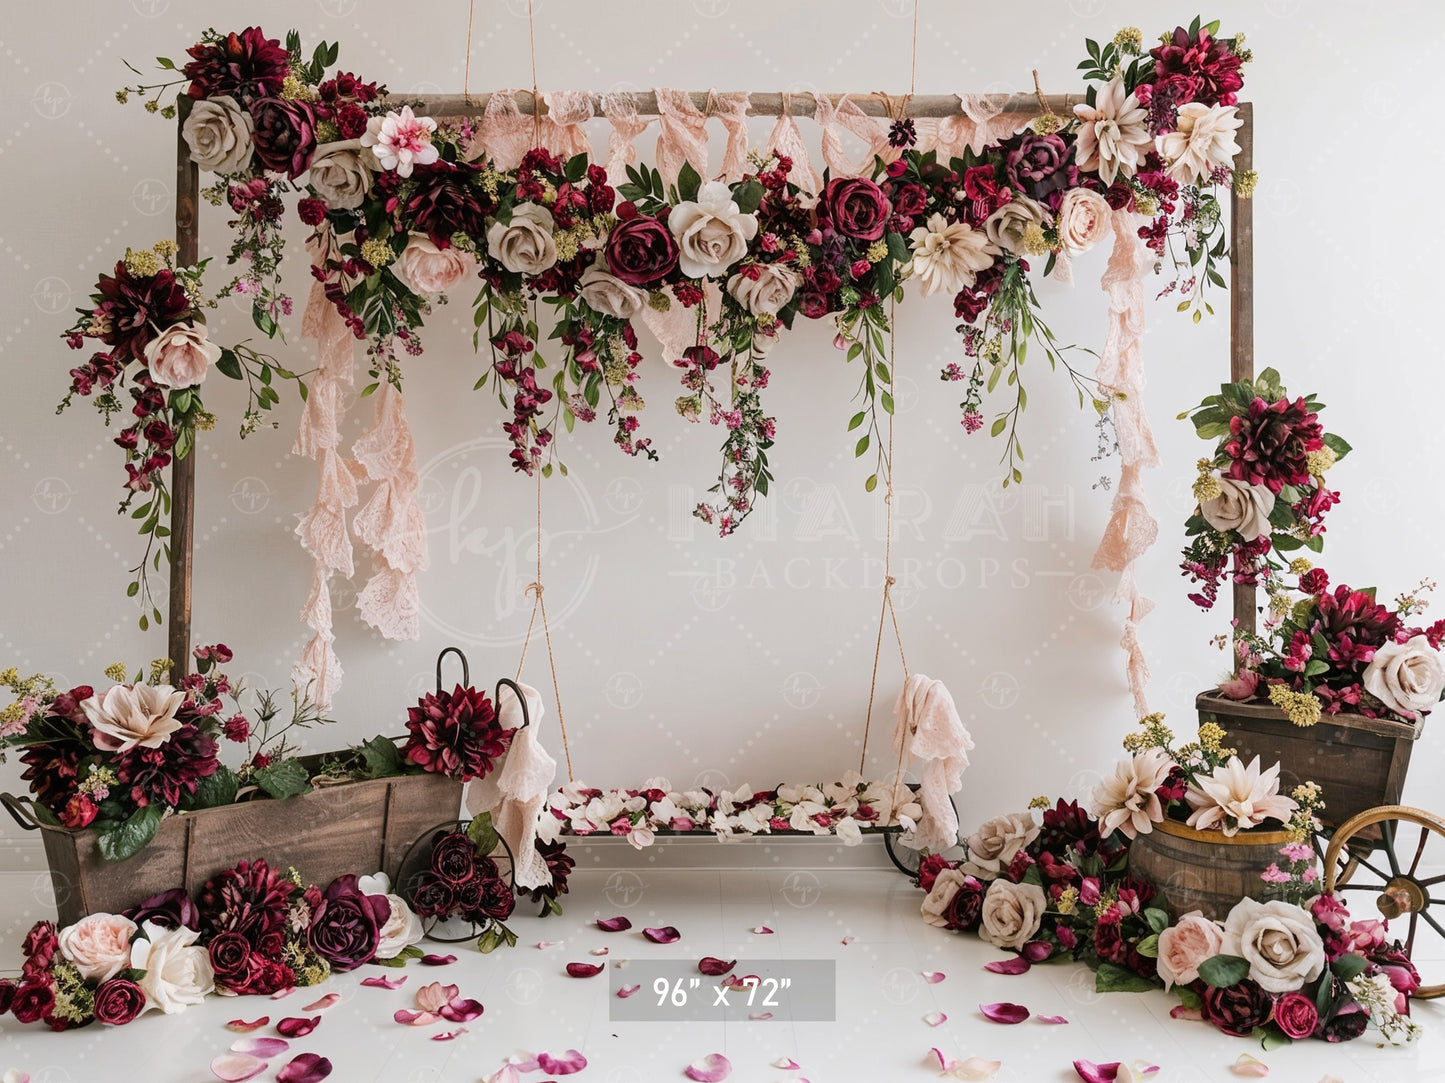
(98, 945)
(1083, 220)
(1186, 944)
(181, 355)
(430, 269)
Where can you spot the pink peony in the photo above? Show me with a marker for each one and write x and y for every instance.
(181, 355)
(430, 269)
(98, 945)
(1186, 944)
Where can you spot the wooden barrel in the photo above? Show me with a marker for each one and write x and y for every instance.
(1204, 870)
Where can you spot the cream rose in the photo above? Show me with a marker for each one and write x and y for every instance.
(1278, 940)
(1186, 944)
(1011, 913)
(129, 715)
(1240, 507)
(940, 895)
(98, 945)
(1406, 677)
(1005, 227)
(994, 844)
(606, 293)
(181, 355)
(430, 269)
(218, 131)
(402, 928)
(1083, 220)
(340, 173)
(766, 294)
(524, 244)
(178, 972)
(712, 231)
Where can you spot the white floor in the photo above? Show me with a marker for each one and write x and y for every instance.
(880, 1033)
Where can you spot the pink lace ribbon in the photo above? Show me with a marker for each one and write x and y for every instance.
(682, 132)
(621, 113)
(562, 127)
(676, 329)
(786, 140)
(845, 115)
(505, 132)
(1131, 529)
(979, 123)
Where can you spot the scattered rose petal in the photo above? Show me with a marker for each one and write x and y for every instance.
(627, 990)
(461, 1010)
(15, 1075)
(847, 940)
(598, 951)
(448, 1035)
(1054, 1020)
(977, 1068)
(507, 1073)
(943, 1062)
(1250, 1066)
(234, 1067)
(432, 997)
(305, 1068)
(1179, 1011)
(713, 1068)
(295, 1026)
(714, 967)
(1108, 1073)
(265, 1048)
(934, 1019)
(786, 1065)
(381, 981)
(1004, 1012)
(665, 935)
(1016, 964)
(583, 970)
(762, 930)
(933, 977)
(760, 1017)
(1036, 951)
(281, 993)
(438, 960)
(410, 1018)
(614, 925)
(544, 944)
(330, 1000)
(569, 1063)
(240, 1026)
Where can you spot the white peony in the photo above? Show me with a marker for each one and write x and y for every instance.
(1241, 507)
(1406, 677)
(1202, 142)
(1112, 133)
(181, 355)
(524, 244)
(712, 231)
(178, 972)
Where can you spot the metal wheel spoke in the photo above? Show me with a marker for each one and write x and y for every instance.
(1420, 849)
(1430, 881)
(1358, 887)
(1410, 940)
(1387, 836)
(1384, 877)
(1432, 922)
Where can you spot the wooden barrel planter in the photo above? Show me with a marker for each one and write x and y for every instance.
(357, 827)
(1204, 870)
(1360, 762)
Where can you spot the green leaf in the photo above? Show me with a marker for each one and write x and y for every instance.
(871, 483)
(862, 446)
(228, 365)
(857, 420)
(132, 590)
(1112, 978)
(576, 168)
(131, 837)
(887, 401)
(1337, 445)
(1158, 919)
(1316, 666)
(482, 833)
(1271, 1038)
(688, 182)
(748, 196)
(1189, 998)
(215, 790)
(998, 426)
(1348, 966)
(1222, 971)
(381, 758)
(1149, 946)
(286, 778)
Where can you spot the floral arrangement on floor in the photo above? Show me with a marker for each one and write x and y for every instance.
(1263, 491)
(250, 930)
(845, 808)
(1295, 966)
(1324, 650)
(150, 317)
(462, 880)
(408, 208)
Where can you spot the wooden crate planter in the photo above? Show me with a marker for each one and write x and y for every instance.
(358, 827)
(1204, 870)
(1360, 762)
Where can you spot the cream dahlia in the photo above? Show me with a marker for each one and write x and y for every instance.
(1237, 797)
(130, 715)
(1112, 133)
(1203, 141)
(948, 255)
(1126, 800)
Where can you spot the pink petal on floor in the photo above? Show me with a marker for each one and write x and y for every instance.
(614, 925)
(762, 930)
(667, 934)
(1090, 1072)
(1248, 1065)
(448, 1035)
(583, 970)
(934, 1019)
(461, 1010)
(409, 1018)
(1036, 951)
(266, 1048)
(598, 951)
(1179, 1011)
(545, 944)
(847, 940)
(305, 1068)
(1056, 1020)
(433, 996)
(1004, 1012)
(933, 977)
(235, 1067)
(438, 960)
(507, 1073)
(627, 990)
(759, 1017)
(977, 1068)
(944, 1063)
(330, 1000)
(569, 1063)
(240, 1026)
(714, 967)
(295, 1026)
(713, 1068)
(786, 1064)
(381, 981)
(282, 993)
(1016, 964)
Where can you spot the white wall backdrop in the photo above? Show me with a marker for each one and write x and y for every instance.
(743, 659)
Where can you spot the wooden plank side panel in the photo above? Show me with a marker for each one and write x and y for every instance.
(1241, 310)
(183, 471)
(1197, 875)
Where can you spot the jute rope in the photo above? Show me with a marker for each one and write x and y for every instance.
(539, 604)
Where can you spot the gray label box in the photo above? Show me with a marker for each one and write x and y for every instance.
(796, 990)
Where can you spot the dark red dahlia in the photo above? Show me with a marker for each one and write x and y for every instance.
(1209, 68)
(252, 899)
(247, 66)
(1315, 581)
(445, 201)
(51, 771)
(170, 772)
(1067, 829)
(456, 734)
(1355, 616)
(285, 134)
(1270, 445)
(559, 864)
(138, 309)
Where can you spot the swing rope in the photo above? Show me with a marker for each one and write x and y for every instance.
(539, 604)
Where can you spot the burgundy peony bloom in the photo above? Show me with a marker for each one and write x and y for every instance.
(910, 200)
(247, 66)
(454, 858)
(1208, 68)
(170, 910)
(118, 1001)
(1270, 444)
(1040, 165)
(1296, 1015)
(1109, 939)
(559, 863)
(444, 201)
(7, 994)
(455, 733)
(39, 948)
(434, 898)
(930, 867)
(285, 134)
(346, 926)
(252, 899)
(1314, 581)
(138, 309)
(170, 772)
(311, 211)
(496, 901)
(32, 1000)
(964, 909)
(1240, 1008)
(641, 251)
(855, 207)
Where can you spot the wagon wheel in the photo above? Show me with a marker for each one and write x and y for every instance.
(1378, 853)
(904, 857)
(1347, 863)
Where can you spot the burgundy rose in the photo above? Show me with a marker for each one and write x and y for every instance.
(231, 959)
(1296, 1015)
(78, 812)
(1040, 165)
(32, 1000)
(855, 207)
(312, 211)
(7, 994)
(346, 926)
(1345, 1020)
(434, 898)
(929, 868)
(39, 947)
(118, 1001)
(963, 910)
(248, 65)
(170, 910)
(496, 900)
(454, 858)
(910, 200)
(814, 306)
(285, 134)
(1238, 1009)
(641, 251)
